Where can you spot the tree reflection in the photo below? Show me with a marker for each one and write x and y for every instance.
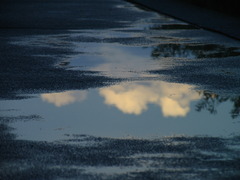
(193, 50)
(210, 101)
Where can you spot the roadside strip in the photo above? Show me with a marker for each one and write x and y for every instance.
(201, 17)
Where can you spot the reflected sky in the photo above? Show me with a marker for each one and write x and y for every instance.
(137, 56)
(115, 61)
(141, 109)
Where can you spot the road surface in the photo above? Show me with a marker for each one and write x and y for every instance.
(111, 90)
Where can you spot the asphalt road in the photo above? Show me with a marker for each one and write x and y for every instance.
(41, 40)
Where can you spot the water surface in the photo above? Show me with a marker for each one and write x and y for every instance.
(135, 95)
(140, 109)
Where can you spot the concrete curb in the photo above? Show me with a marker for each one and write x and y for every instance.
(201, 17)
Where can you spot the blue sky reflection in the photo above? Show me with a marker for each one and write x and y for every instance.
(142, 109)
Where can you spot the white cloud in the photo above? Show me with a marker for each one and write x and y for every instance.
(64, 98)
(133, 98)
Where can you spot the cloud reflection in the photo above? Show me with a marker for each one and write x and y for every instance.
(64, 98)
(133, 98)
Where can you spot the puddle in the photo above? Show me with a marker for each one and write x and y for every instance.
(144, 109)
(137, 96)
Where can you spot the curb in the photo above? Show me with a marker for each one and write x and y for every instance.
(201, 17)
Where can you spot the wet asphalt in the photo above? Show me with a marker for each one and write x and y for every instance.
(36, 42)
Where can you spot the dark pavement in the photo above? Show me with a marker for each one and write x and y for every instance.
(59, 15)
